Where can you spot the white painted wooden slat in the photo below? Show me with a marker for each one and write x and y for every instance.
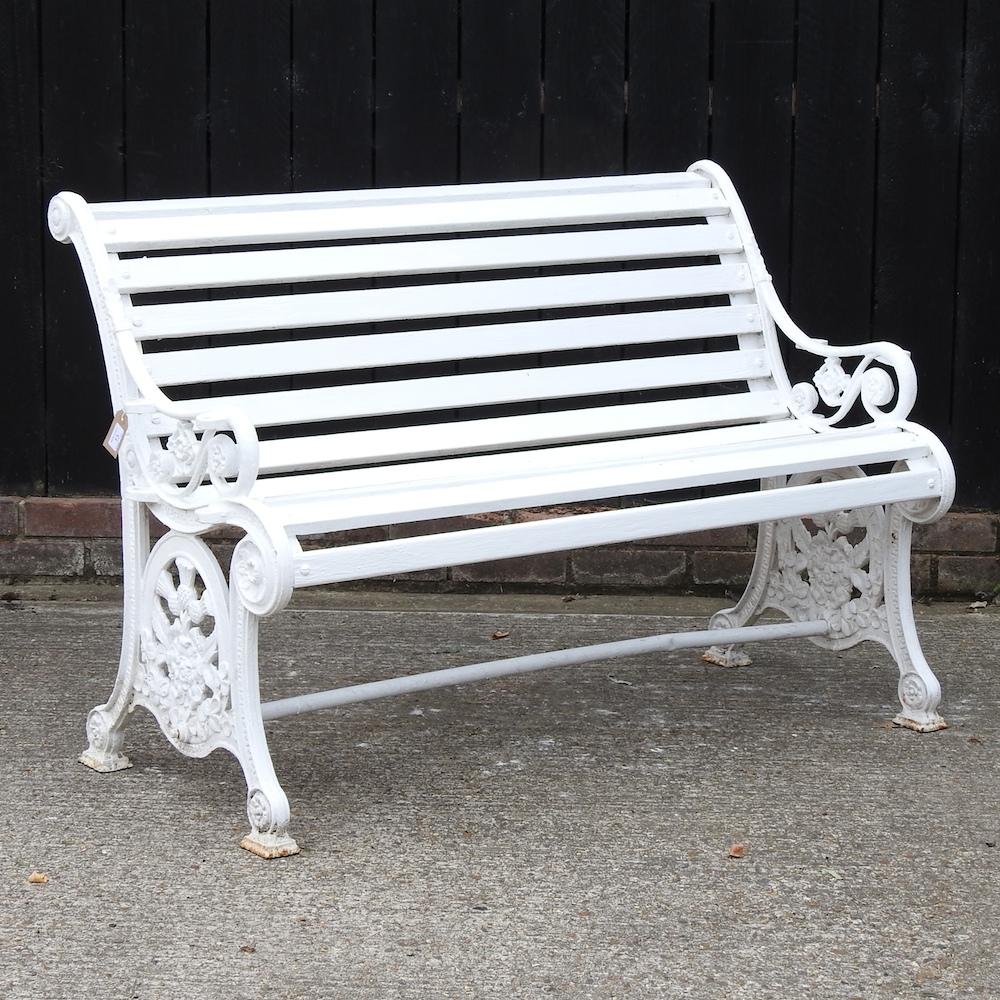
(282, 312)
(575, 454)
(312, 200)
(242, 361)
(497, 433)
(507, 482)
(293, 406)
(360, 562)
(256, 267)
(710, 455)
(297, 225)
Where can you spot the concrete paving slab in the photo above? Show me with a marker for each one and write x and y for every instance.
(557, 834)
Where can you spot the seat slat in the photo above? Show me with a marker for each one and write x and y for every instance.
(256, 267)
(243, 361)
(282, 312)
(296, 224)
(719, 453)
(507, 541)
(529, 430)
(573, 456)
(295, 406)
(492, 483)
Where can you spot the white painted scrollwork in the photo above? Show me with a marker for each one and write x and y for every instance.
(184, 649)
(60, 217)
(258, 810)
(840, 390)
(913, 691)
(261, 573)
(805, 398)
(880, 376)
(832, 381)
(176, 457)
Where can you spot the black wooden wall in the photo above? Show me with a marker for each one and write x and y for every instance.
(863, 135)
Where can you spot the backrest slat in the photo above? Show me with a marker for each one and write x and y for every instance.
(299, 406)
(311, 200)
(262, 267)
(398, 444)
(332, 354)
(318, 309)
(352, 221)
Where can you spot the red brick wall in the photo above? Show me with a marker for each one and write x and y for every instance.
(45, 540)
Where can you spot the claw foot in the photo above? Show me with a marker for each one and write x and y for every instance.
(104, 752)
(266, 839)
(727, 656)
(919, 703)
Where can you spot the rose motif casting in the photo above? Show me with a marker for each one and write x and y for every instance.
(183, 446)
(259, 810)
(180, 676)
(828, 573)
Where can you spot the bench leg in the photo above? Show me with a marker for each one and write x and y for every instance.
(749, 607)
(189, 656)
(106, 723)
(919, 689)
(852, 570)
(267, 804)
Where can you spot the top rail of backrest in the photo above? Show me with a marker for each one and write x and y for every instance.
(135, 227)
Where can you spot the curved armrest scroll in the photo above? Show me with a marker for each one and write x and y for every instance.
(176, 454)
(883, 378)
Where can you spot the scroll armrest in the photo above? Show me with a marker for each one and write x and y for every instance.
(179, 454)
(883, 377)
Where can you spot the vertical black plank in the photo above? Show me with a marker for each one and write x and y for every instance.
(920, 109)
(501, 76)
(22, 403)
(752, 116)
(81, 46)
(976, 383)
(166, 99)
(584, 127)
(249, 96)
(416, 92)
(331, 95)
(833, 204)
(669, 53)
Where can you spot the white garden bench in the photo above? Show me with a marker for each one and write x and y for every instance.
(297, 365)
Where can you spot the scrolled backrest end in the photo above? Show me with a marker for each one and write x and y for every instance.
(62, 215)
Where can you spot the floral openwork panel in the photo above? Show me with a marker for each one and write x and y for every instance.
(182, 678)
(825, 570)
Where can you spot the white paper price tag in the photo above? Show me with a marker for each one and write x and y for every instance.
(116, 434)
